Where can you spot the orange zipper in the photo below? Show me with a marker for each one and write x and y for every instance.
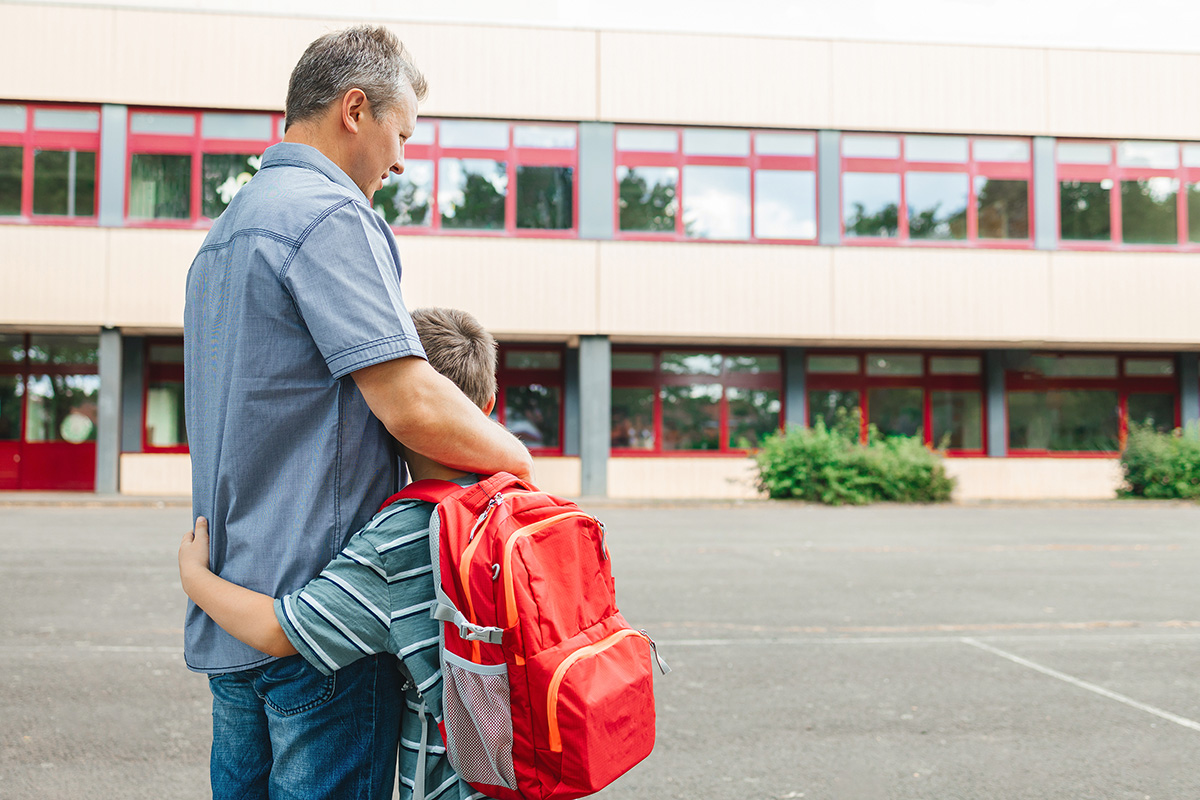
(509, 594)
(560, 673)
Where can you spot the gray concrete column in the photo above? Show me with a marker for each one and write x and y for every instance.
(1045, 194)
(595, 413)
(829, 188)
(571, 403)
(108, 423)
(795, 391)
(113, 145)
(597, 180)
(133, 389)
(997, 413)
(1189, 389)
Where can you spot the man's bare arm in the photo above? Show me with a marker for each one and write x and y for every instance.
(427, 413)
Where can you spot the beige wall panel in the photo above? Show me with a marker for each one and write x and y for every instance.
(922, 87)
(562, 476)
(711, 290)
(148, 273)
(1126, 298)
(1035, 478)
(1126, 95)
(934, 295)
(53, 276)
(529, 288)
(714, 80)
(156, 474)
(681, 478)
(56, 53)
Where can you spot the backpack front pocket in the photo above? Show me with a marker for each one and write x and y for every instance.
(478, 719)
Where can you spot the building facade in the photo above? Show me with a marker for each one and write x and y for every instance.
(682, 241)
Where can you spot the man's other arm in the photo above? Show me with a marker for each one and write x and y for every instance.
(427, 413)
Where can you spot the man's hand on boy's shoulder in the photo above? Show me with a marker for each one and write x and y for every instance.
(193, 553)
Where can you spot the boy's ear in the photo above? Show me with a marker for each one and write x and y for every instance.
(491, 403)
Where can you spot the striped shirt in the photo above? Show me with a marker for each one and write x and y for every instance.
(375, 597)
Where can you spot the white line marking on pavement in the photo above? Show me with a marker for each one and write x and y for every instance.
(1091, 687)
(811, 640)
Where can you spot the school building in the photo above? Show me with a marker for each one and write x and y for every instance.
(682, 241)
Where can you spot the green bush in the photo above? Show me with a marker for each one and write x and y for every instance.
(830, 465)
(1161, 465)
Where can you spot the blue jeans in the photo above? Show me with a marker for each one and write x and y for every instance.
(285, 731)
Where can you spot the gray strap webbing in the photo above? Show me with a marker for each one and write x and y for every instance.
(468, 630)
(419, 778)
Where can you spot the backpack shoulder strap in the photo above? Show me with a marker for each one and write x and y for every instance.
(431, 490)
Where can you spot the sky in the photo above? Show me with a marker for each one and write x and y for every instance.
(1154, 25)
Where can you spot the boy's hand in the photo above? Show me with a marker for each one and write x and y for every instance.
(193, 552)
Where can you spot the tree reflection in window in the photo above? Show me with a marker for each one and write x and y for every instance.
(64, 183)
(224, 175)
(404, 200)
(545, 197)
(1084, 210)
(646, 198)
(1149, 210)
(471, 193)
(10, 180)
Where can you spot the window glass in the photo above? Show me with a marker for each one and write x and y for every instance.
(937, 205)
(165, 425)
(690, 417)
(647, 141)
(647, 198)
(836, 365)
(1083, 420)
(1149, 211)
(632, 418)
(716, 202)
(1003, 208)
(753, 415)
(824, 405)
(160, 186)
(532, 359)
(166, 124)
(785, 144)
(957, 420)
(11, 168)
(64, 350)
(553, 136)
(545, 197)
(12, 393)
(896, 411)
(12, 348)
(474, 134)
(691, 364)
(62, 408)
(423, 133)
(1084, 210)
(752, 364)
(1159, 155)
(871, 203)
(1074, 366)
(954, 365)
(471, 193)
(946, 149)
(1084, 153)
(1154, 409)
(224, 176)
(870, 147)
(531, 413)
(893, 364)
(64, 183)
(1004, 150)
(632, 362)
(13, 118)
(58, 119)
(235, 126)
(785, 204)
(166, 353)
(716, 143)
(1193, 211)
(1149, 367)
(406, 199)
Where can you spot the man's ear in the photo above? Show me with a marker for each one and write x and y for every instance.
(354, 105)
(491, 403)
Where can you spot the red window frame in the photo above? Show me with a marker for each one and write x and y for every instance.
(553, 378)
(194, 145)
(159, 372)
(32, 140)
(859, 381)
(678, 160)
(513, 157)
(1017, 380)
(1112, 171)
(656, 379)
(973, 168)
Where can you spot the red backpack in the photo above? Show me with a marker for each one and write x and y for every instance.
(548, 693)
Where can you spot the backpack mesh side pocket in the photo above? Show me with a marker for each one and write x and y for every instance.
(478, 719)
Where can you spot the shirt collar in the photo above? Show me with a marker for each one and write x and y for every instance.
(294, 154)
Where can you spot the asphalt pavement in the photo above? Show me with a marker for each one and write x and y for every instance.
(991, 651)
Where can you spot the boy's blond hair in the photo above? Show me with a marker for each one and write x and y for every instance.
(461, 349)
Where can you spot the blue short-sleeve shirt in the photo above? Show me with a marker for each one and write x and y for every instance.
(296, 286)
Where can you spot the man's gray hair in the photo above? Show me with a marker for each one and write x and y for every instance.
(367, 57)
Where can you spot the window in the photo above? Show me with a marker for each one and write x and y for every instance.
(1129, 193)
(1084, 403)
(483, 176)
(681, 401)
(938, 397)
(530, 400)
(729, 185)
(48, 157)
(930, 189)
(185, 166)
(164, 429)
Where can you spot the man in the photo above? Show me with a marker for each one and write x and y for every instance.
(300, 357)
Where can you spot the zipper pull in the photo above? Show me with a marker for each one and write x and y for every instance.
(496, 500)
(662, 665)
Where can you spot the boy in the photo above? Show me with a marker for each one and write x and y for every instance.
(375, 597)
